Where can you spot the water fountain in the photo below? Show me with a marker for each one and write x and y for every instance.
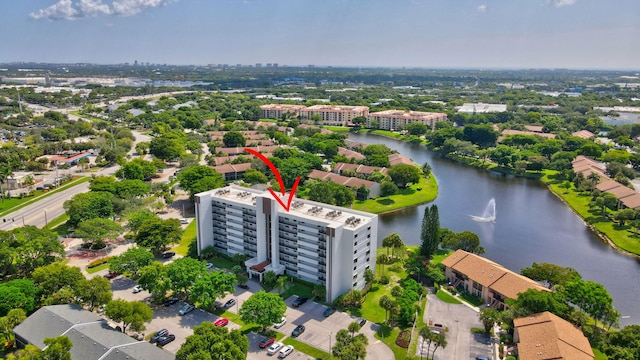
(489, 214)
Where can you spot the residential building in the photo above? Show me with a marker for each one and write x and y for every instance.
(545, 336)
(373, 188)
(232, 171)
(481, 108)
(585, 134)
(485, 279)
(18, 179)
(395, 159)
(275, 111)
(319, 243)
(333, 115)
(357, 169)
(90, 334)
(350, 154)
(531, 133)
(399, 119)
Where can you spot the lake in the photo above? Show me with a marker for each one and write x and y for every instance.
(532, 224)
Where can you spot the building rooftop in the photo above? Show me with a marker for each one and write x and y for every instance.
(490, 274)
(545, 336)
(315, 211)
(408, 114)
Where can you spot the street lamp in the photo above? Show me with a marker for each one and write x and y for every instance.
(330, 336)
(46, 222)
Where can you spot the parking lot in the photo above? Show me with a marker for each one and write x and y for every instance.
(459, 319)
(320, 331)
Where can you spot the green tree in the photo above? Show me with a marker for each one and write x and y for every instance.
(589, 296)
(465, 240)
(86, 206)
(211, 286)
(93, 292)
(199, 178)
(269, 280)
(403, 174)
(253, 176)
(156, 234)
(102, 183)
(54, 277)
(184, 272)
(213, 342)
(263, 308)
(488, 317)
(386, 303)
(57, 348)
(504, 155)
(234, 139)
(388, 188)
(353, 328)
(551, 274)
(166, 148)
(95, 231)
(438, 341)
(624, 215)
(350, 347)
(131, 189)
(155, 279)
(29, 247)
(482, 135)
(131, 261)
(133, 314)
(137, 218)
(392, 241)
(7, 323)
(429, 234)
(417, 128)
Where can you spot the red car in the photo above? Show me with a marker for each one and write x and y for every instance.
(111, 275)
(266, 342)
(221, 322)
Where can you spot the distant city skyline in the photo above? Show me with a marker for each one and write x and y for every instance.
(492, 34)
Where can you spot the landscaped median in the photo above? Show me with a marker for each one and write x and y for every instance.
(620, 237)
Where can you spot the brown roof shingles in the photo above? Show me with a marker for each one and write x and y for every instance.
(545, 336)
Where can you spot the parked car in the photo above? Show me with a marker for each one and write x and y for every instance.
(297, 331)
(168, 254)
(328, 311)
(186, 309)
(158, 335)
(243, 286)
(221, 322)
(210, 266)
(481, 357)
(111, 275)
(274, 348)
(101, 309)
(299, 301)
(266, 342)
(170, 301)
(361, 321)
(165, 340)
(281, 323)
(285, 351)
(184, 221)
(230, 303)
(137, 289)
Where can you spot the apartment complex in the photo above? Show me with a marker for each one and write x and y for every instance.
(275, 111)
(333, 115)
(319, 243)
(399, 119)
(485, 279)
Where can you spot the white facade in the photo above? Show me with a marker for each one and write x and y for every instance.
(399, 119)
(315, 242)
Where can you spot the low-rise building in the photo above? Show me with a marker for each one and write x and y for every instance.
(323, 244)
(275, 111)
(481, 108)
(545, 336)
(373, 188)
(486, 279)
(333, 115)
(90, 334)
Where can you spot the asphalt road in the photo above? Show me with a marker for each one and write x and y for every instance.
(50, 207)
(459, 319)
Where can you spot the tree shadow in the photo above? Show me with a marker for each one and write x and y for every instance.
(385, 201)
(407, 191)
(384, 331)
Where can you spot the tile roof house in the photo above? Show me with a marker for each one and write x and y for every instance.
(586, 166)
(585, 134)
(395, 159)
(91, 336)
(352, 182)
(350, 154)
(545, 336)
(485, 279)
(357, 168)
(232, 171)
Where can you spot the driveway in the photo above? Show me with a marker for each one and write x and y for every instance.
(459, 319)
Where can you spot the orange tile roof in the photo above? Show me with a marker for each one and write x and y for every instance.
(339, 179)
(545, 336)
(395, 159)
(520, 132)
(232, 168)
(350, 154)
(490, 274)
(585, 134)
(261, 266)
(632, 202)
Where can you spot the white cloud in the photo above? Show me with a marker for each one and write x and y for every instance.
(561, 3)
(482, 8)
(70, 10)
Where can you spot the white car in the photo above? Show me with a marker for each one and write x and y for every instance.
(137, 289)
(184, 221)
(285, 351)
(281, 323)
(274, 348)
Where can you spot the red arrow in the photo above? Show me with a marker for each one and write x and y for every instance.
(279, 178)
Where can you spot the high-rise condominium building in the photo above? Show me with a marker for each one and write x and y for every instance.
(319, 243)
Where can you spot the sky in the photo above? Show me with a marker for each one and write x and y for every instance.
(575, 34)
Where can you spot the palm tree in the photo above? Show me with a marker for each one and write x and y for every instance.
(281, 284)
(438, 341)
(29, 181)
(5, 173)
(427, 336)
(353, 328)
(594, 179)
(386, 303)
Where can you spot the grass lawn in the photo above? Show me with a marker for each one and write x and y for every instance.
(439, 256)
(447, 298)
(371, 309)
(188, 236)
(223, 263)
(337, 128)
(98, 268)
(410, 196)
(59, 225)
(473, 300)
(621, 236)
(88, 117)
(298, 289)
(307, 349)
(599, 355)
(388, 336)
